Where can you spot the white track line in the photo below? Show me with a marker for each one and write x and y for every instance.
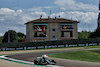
(4, 57)
(54, 66)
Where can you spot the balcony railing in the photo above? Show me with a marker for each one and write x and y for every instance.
(66, 27)
(40, 37)
(40, 27)
(66, 37)
(40, 30)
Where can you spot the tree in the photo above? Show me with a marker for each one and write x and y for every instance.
(5, 39)
(83, 35)
(21, 34)
(12, 36)
(1, 38)
(96, 33)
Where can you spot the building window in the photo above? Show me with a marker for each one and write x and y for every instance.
(66, 34)
(40, 27)
(40, 34)
(53, 29)
(53, 24)
(53, 36)
(67, 26)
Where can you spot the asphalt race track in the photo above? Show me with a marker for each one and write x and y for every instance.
(31, 56)
(61, 62)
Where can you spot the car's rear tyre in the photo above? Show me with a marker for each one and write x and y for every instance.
(35, 62)
(53, 61)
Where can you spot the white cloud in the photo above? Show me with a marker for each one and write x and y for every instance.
(6, 10)
(1, 34)
(34, 9)
(19, 11)
(15, 20)
(85, 13)
(37, 9)
(73, 5)
(83, 17)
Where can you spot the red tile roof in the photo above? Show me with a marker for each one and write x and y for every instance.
(45, 20)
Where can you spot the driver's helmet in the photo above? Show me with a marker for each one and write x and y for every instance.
(44, 56)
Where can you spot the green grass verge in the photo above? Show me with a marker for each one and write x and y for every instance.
(96, 46)
(79, 55)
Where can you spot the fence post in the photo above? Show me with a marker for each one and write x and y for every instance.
(85, 44)
(44, 46)
(1, 46)
(57, 45)
(15, 48)
(47, 46)
(23, 48)
(5, 48)
(88, 42)
(1, 49)
(36, 45)
(65, 45)
(97, 41)
(77, 44)
(68, 45)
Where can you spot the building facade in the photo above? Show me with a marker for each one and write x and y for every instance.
(47, 29)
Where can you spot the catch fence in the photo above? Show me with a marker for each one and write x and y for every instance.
(48, 44)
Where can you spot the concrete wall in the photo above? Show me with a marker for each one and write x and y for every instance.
(55, 33)
(75, 32)
(29, 32)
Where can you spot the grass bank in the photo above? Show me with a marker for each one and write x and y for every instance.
(79, 55)
(88, 47)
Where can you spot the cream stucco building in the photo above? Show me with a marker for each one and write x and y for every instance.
(46, 29)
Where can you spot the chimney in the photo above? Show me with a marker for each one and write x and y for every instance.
(55, 17)
(40, 17)
(48, 17)
(59, 16)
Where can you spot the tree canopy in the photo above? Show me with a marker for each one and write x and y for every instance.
(12, 36)
(83, 35)
(20, 34)
(96, 33)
